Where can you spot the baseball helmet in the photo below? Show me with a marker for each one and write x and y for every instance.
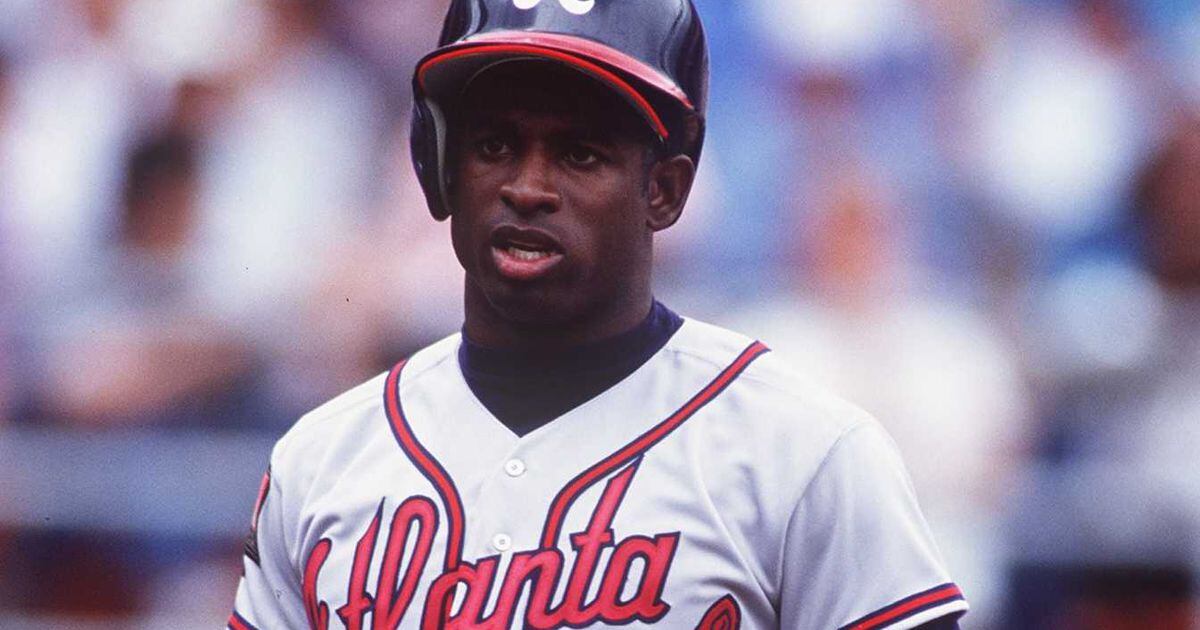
(651, 52)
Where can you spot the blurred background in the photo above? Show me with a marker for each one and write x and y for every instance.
(980, 219)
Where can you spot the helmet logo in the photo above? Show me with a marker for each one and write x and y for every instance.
(578, 7)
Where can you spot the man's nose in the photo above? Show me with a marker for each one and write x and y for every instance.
(532, 187)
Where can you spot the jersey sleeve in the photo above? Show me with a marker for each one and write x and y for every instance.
(268, 595)
(858, 553)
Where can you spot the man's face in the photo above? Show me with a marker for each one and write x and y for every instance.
(548, 188)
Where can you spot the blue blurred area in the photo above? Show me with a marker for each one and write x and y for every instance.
(979, 219)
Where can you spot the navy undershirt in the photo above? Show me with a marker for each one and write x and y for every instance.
(525, 391)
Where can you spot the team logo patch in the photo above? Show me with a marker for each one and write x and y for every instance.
(577, 7)
(250, 547)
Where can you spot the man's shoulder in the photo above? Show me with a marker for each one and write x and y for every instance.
(770, 423)
(769, 388)
(356, 411)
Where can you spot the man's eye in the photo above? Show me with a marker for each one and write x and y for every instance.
(493, 147)
(582, 156)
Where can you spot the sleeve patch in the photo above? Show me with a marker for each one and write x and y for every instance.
(250, 547)
(907, 607)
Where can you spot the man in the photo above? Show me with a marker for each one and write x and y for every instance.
(581, 456)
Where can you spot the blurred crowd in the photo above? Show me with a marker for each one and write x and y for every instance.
(978, 219)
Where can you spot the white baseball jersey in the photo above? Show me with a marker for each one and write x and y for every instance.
(712, 488)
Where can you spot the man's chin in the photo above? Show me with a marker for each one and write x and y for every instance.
(531, 305)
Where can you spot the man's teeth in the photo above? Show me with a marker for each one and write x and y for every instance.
(524, 254)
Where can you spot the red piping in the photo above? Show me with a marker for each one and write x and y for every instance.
(948, 593)
(643, 443)
(429, 467)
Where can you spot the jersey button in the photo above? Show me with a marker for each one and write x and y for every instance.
(502, 542)
(514, 467)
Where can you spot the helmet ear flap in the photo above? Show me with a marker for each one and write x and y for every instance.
(424, 142)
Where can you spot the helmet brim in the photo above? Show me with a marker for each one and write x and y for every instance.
(446, 72)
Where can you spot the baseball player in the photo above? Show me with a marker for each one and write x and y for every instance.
(580, 456)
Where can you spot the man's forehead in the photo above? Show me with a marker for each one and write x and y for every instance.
(515, 117)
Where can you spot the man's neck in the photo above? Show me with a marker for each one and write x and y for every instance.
(487, 327)
(524, 391)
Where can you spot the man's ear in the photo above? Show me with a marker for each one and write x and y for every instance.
(669, 186)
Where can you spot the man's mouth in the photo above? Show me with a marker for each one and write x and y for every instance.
(524, 254)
